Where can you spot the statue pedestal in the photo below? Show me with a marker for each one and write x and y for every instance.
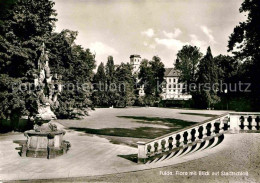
(44, 144)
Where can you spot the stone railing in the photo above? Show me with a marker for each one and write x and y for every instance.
(233, 122)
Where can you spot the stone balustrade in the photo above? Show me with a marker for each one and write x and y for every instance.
(233, 122)
(243, 121)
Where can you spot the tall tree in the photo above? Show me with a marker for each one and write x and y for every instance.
(125, 85)
(111, 81)
(99, 95)
(207, 81)
(227, 70)
(187, 63)
(24, 25)
(244, 43)
(151, 76)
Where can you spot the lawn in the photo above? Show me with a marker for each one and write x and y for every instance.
(140, 132)
(199, 114)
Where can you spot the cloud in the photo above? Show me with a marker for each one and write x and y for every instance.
(174, 44)
(102, 49)
(174, 34)
(152, 46)
(208, 33)
(196, 42)
(148, 32)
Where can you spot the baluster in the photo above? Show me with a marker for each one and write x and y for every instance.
(257, 119)
(152, 148)
(166, 144)
(221, 126)
(181, 139)
(174, 145)
(197, 133)
(159, 148)
(148, 150)
(204, 132)
(189, 136)
(246, 123)
(253, 123)
(156, 147)
(213, 129)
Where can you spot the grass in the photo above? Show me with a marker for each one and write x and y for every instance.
(140, 132)
(199, 114)
(170, 122)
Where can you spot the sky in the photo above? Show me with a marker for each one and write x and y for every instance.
(149, 27)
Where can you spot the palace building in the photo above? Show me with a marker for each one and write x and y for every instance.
(172, 90)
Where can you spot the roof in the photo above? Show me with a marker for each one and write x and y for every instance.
(171, 72)
(131, 56)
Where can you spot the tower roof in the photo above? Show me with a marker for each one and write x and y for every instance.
(131, 56)
(171, 72)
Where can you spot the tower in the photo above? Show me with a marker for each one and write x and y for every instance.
(135, 61)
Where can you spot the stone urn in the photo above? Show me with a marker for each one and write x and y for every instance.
(45, 141)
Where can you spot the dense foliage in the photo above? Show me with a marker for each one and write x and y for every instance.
(24, 26)
(151, 76)
(244, 43)
(113, 85)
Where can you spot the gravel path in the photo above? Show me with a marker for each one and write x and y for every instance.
(241, 153)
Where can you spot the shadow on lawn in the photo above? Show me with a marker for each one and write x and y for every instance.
(140, 132)
(200, 114)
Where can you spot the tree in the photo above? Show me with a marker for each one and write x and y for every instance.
(111, 81)
(76, 65)
(27, 24)
(244, 43)
(151, 76)
(187, 63)
(99, 95)
(125, 85)
(208, 79)
(227, 70)
(24, 25)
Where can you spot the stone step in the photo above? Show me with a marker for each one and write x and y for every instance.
(196, 148)
(186, 152)
(204, 146)
(162, 158)
(215, 142)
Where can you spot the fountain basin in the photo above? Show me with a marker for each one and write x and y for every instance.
(44, 144)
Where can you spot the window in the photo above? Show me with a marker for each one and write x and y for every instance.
(169, 80)
(174, 80)
(174, 86)
(170, 90)
(170, 86)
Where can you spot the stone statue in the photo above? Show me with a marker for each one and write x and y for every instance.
(49, 87)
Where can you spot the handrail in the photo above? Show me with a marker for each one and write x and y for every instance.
(237, 121)
(188, 127)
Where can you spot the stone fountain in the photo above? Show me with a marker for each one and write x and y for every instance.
(44, 141)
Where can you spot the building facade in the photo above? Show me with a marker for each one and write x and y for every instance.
(172, 89)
